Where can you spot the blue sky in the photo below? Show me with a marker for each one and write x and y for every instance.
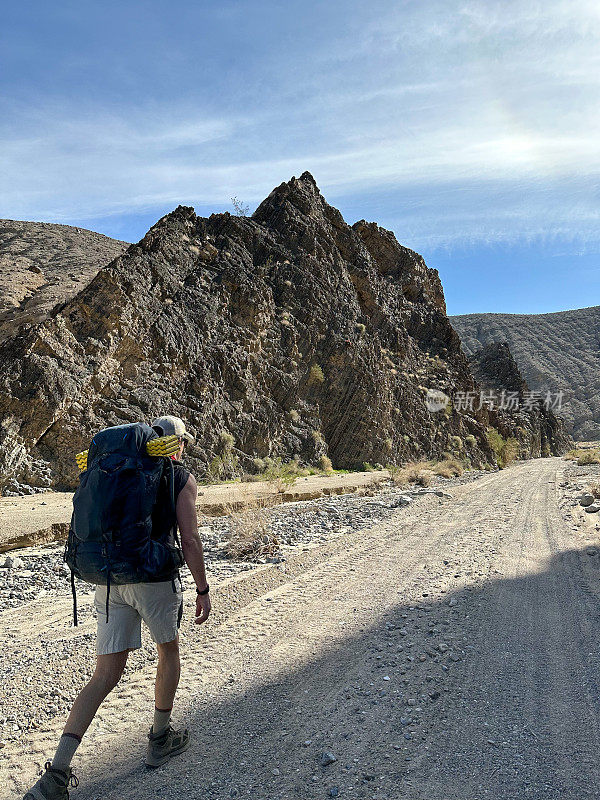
(468, 128)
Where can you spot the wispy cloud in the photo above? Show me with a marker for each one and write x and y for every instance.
(486, 111)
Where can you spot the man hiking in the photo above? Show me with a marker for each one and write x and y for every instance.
(117, 465)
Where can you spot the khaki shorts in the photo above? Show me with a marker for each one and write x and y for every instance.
(156, 603)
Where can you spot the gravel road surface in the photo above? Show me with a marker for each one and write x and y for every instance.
(450, 651)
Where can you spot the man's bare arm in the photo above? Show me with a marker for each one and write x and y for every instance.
(192, 544)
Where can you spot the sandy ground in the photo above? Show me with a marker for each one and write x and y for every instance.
(38, 518)
(448, 652)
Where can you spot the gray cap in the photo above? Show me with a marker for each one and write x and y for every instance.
(172, 426)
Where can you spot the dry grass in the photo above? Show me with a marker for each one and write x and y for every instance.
(583, 456)
(250, 537)
(589, 457)
(448, 468)
(423, 472)
(420, 472)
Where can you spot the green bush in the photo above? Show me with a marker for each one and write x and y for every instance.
(546, 450)
(471, 440)
(506, 450)
(456, 443)
(226, 439)
(222, 467)
(281, 472)
(315, 375)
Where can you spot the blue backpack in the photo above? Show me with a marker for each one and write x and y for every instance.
(119, 533)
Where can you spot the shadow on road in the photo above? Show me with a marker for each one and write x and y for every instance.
(492, 693)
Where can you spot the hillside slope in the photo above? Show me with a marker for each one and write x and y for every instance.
(554, 352)
(535, 427)
(43, 264)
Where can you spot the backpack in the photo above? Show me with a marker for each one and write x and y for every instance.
(118, 534)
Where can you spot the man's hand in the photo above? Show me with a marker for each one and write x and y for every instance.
(202, 608)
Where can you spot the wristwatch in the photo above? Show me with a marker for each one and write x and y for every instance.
(204, 591)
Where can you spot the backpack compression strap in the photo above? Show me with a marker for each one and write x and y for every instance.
(162, 446)
(73, 591)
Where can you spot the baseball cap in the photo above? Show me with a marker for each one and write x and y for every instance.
(170, 426)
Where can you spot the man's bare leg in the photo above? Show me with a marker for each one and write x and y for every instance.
(167, 680)
(164, 741)
(55, 781)
(108, 672)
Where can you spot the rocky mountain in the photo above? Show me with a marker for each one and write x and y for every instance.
(517, 414)
(555, 352)
(42, 264)
(288, 334)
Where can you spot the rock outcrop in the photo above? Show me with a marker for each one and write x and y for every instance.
(525, 416)
(288, 334)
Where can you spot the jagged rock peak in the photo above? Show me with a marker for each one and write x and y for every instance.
(301, 193)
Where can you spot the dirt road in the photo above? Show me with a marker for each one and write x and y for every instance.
(450, 652)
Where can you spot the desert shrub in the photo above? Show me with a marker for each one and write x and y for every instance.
(588, 457)
(222, 467)
(258, 464)
(496, 442)
(388, 443)
(419, 472)
(574, 454)
(250, 537)
(294, 415)
(281, 474)
(226, 440)
(546, 450)
(317, 436)
(471, 440)
(325, 464)
(368, 467)
(594, 488)
(360, 327)
(511, 450)
(448, 468)
(456, 443)
(506, 450)
(315, 375)
(240, 208)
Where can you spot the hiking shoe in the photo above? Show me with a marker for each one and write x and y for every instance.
(161, 746)
(53, 785)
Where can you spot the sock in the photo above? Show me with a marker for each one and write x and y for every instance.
(162, 717)
(68, 744)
